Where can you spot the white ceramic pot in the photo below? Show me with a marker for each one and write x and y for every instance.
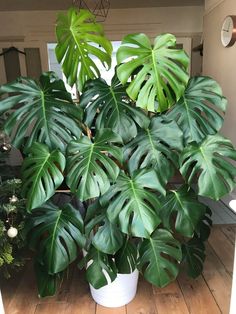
(117, 293)
(1, 304)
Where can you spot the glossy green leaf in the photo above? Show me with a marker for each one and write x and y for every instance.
(159, 258)
(181, 208)
(130, 203)
(116, 111)
(194, 256)
(160, 76)
(90, 164)
(55, 233)
(98, 263)
(80, 45)
(210, 160)
(45, 105)
(42, 174)
(156, 148)
(108, 238)
(126, 258)
(197, 111)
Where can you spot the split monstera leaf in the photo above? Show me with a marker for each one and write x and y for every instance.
(115, 151)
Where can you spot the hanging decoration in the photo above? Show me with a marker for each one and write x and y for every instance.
(99, 8)
(12, 217)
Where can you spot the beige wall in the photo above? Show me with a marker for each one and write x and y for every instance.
(220, 62)
(39, 25)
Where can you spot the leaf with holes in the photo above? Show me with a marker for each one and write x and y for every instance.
(182, 207)
(41, 174)
(98, 263)
(130, 202)
(194, 256)
(116, 111)
(46, 115)
(160, 77)
(196, 111)
(155, 147)
(108, 238)
(210, 161)
(203, 229)
(159, 258)
(126, 258)
(56, 236)
(80, 44)
(90, 165)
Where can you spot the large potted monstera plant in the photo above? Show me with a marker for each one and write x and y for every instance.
(115, 151)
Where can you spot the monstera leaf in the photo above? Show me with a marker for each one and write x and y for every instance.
(208, 160)
(184, 205)
(55, 233)
(126, 258)
(108, 238)
(41, 174)
(159, 258)
(131, 203)
(196, 111)
(161, 70)
(80, 41)
(99, 264)
(90, 166)
(115, 109)
(194, 256)
(155, 147)
(46, 115)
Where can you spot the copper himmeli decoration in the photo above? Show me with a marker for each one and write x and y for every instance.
(99, 8)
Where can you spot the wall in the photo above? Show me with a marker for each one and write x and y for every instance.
(220, 62)
(39, 26)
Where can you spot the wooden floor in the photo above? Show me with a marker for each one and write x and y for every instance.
(209, 294)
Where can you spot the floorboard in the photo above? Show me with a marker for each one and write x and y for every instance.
(209, 293)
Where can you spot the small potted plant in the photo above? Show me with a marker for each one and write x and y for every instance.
(117, 150)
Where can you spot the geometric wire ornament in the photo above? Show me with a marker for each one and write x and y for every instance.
(99, 8)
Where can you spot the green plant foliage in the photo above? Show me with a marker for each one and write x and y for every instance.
(99, 262)
(80, 39)
(203, 229)
(41, 174)
(116, 111)
(131, 203)
(57, 233)
(155, 147)
(196, 111)
(208, 160)
(194, 256)
(90, 164)
(47, 283)
(182, 209)
(45, 105)
(126, 258)
(108, 238)
(159, 258)
(12, 250)
(161, 74)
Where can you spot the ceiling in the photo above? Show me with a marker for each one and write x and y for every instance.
(18, 5)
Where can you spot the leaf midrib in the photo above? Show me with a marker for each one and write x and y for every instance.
(42, 93)
(38, 176)
(80, 51)
(53, 236)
